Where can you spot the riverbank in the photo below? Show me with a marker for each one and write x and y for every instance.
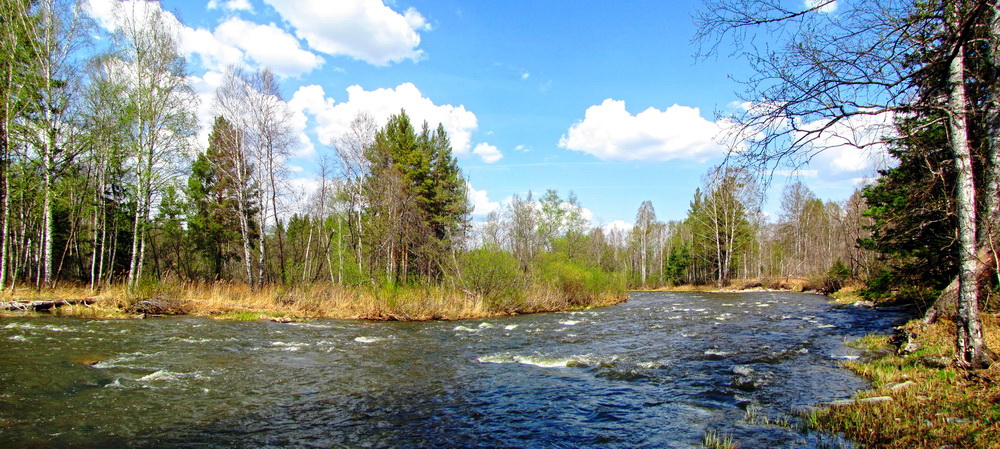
(923, 402)
(237, 301)
(917, 398)
(797, 285)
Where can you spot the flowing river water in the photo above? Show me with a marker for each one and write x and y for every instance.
(658, 371)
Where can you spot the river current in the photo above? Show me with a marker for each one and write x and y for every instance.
(660, 370)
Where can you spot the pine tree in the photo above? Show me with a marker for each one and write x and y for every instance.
(213, 222)
(416, 206)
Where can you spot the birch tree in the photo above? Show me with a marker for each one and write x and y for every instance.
(252, 104)
(351, 149)
(153, 71)
(643, 235)
(17, 86)
(62, 29)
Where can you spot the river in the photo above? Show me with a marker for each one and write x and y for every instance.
(660, 370)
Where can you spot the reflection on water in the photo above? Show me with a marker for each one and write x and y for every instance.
(657, 371)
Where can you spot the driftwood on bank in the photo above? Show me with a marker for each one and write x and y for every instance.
(159, 305)
(42, 304)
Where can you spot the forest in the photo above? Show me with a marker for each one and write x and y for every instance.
(104, 184)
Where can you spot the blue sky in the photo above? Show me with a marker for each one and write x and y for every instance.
(601, 98)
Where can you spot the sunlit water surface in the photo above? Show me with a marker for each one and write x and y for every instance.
(658, 371)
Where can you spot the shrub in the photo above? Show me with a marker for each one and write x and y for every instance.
(840, 271)
(495, 276)
(578, 284)
(922, 297)
(879, 286)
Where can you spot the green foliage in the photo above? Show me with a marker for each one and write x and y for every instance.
(914, 228)
(213, 220)
(839, 270)
(494, 275)
(579, 284)
(879, 286)
(677, 264)
(416, 205)
(719, 218)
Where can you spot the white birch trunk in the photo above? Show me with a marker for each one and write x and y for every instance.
(969, 345)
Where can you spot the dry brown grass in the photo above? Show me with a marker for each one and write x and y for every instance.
(240, 301)
(739, 285)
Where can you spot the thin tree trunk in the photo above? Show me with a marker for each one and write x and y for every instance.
(5, 227)
(305, 264)
(970, 350)
(991, 232)
(262, 242)
(98, 211)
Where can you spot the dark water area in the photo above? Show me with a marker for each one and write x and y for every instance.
(658, 371)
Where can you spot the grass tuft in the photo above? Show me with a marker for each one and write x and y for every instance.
(715, 440)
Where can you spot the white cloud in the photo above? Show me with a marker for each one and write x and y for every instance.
(797, 173)
(234, 41)
(333, 119)
(851, 147)
(482, 205)
(827, 8)
(609, 132)
(267, 45)
(231, 5)
(618, 225)
(204, 87)
(366, 30)
(488, 153)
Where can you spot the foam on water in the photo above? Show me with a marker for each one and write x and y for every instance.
(538, 360)
(195, 340)
(46, 327)
(290, 347)
(369, 339)
(161, 375)
(121, 361)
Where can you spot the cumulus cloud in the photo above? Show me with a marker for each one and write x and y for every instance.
(619, 226)
(233, 42)
(204, 87)
(333, 119)
(488, 153)
(266, 45)
(230, 5)
(852, 147)
(482, 205)
(609, 132)
(828, 5)
(366, 30)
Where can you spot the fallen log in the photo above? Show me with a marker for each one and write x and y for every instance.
(159, 305)
(36, 305)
